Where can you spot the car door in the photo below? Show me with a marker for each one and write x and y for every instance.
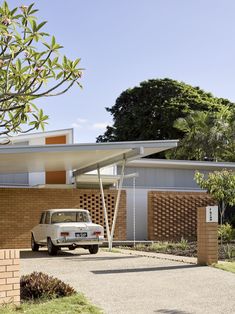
(45, 227)
(37, 231)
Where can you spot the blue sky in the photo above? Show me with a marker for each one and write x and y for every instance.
(124, 42)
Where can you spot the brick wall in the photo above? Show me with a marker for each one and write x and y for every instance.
(21, 208)
(207, 239)
(9, 277)
(172, 215)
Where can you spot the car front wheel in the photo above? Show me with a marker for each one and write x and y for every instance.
(34, 245)
(52, 249)
(93, 249)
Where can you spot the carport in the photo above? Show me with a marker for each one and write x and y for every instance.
(80, 159)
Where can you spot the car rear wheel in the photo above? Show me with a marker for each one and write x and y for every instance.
(52, 249)
(34, 245)
(93, 249)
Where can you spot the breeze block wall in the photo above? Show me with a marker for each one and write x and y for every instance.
(9, 277)
(21, 208)
(172, 215)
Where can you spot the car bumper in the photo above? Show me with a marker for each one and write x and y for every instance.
(77, 241)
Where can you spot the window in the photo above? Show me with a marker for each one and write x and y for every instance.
(42, 218)
(70, 217)
(47, 219)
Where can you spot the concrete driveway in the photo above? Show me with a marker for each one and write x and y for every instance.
(123, 283)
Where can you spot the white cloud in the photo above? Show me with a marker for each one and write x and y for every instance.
(89, 126)
(79, 123)
(81, 120)
(76, 125)
(99, 125)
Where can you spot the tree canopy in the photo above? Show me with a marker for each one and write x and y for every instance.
(220, 185)
(207, 135)
(30, 68)
(149, 111)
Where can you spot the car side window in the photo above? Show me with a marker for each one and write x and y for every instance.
(42, 218)
(47, 219)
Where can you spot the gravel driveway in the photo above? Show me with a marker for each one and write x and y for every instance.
(123, 283)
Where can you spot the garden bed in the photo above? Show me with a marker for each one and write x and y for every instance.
(184, 248)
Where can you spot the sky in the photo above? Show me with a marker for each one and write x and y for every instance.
(124, 42)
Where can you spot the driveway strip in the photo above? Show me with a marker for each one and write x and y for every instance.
(130, 283)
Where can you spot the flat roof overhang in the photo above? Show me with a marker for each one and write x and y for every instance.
(181, 164)
(80, 158)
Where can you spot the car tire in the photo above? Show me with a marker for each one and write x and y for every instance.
(34, 245)
(52, 249)
(72, 248)
(93, 249)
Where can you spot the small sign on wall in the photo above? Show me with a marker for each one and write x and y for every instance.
(212, 214)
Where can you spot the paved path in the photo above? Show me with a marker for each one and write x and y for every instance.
(124, 283)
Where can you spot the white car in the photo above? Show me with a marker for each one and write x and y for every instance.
(69, 228)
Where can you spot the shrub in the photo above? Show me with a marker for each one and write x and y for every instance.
(229, 251)
(226, 232)
(140, 247)
(42, 286)
(183, 244)
(160, 246)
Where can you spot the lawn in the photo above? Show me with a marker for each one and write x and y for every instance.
(228, 266)
(67, 305)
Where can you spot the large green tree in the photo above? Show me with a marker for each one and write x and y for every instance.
(207, 135)
(148, 111)
(30, 68)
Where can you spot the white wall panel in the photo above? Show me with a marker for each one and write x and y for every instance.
(141, 205)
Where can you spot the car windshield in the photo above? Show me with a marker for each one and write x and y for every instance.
(70, 217)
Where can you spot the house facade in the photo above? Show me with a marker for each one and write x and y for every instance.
(159, 198)
(162, 199)
(39, 178)
(37, 171)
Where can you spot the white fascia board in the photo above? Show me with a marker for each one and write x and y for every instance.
(180, 164)
(154, 145)
(29, 136)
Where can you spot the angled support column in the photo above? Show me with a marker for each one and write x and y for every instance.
(104, 205)
(117, 202)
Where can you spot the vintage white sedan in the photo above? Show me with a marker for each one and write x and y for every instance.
(69, 228)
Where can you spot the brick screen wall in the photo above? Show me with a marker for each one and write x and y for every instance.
(172, 215)
(9, 277)
(21, 208)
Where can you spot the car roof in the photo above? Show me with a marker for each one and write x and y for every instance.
(66, 210)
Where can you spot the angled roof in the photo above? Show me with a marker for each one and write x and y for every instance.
(80, 158)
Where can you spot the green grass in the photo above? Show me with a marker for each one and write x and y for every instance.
(163, 246)
(228, 266)
(67, 305)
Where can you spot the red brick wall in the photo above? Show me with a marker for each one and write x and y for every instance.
(172, 215)
(21, 208)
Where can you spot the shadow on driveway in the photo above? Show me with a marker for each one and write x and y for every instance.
(72, 256)
(165, 311)
(144, 269)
